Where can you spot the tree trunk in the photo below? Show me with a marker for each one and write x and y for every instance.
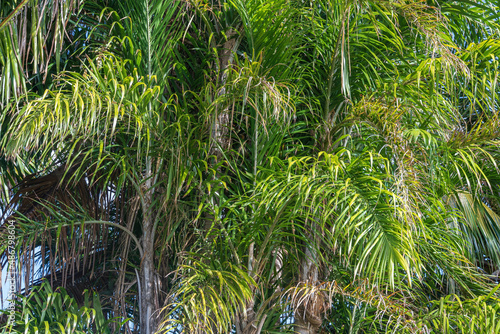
(147, 286)
(148, 296)
(220, 125)
(308, 315)
(304, 327)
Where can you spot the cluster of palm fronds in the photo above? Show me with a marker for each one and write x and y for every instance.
(253, 166)
(47, 311)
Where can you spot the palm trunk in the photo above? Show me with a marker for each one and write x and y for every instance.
(147, 290)
(147, 305)
(220, 125)
(308, 315)
(148, 296)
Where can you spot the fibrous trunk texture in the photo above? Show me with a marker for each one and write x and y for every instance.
(308, 314)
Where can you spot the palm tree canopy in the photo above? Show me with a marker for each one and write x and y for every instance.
(254, 166)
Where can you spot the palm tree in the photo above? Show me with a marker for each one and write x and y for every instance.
(110, 186)
(255, 166)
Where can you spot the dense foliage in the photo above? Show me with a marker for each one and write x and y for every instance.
(252, 166)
